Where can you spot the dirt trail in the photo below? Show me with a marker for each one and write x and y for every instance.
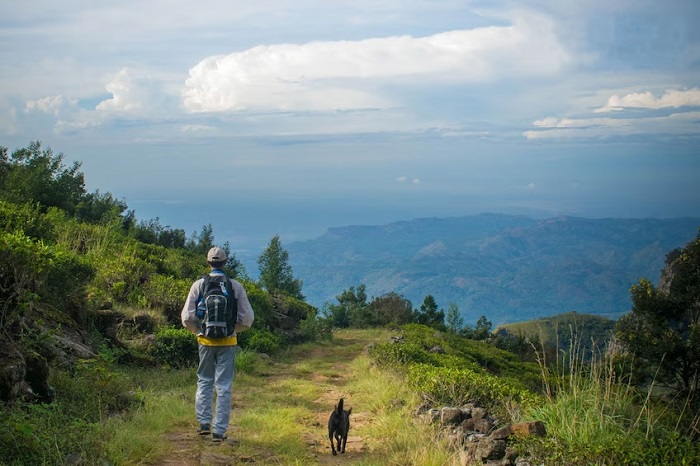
(188, 449)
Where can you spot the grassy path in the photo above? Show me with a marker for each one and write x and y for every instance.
(280, 412)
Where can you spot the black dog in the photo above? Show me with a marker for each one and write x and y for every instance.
(338, 427)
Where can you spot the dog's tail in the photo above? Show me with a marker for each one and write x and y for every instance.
(340, 407)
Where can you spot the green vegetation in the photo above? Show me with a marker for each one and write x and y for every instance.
(91, 298)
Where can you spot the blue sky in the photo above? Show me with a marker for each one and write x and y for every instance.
(280, 117)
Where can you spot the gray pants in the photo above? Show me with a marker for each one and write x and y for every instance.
(217, 366)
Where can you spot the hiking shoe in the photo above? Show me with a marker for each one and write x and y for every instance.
(204, 429)
(218, 437)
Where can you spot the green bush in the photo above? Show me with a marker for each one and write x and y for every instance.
(261, 303)
(37, 275)
(176, 347)
(166, 294)
(262, 341)
(45, 434)
(27, 219)
(456, 387)
(246, 361)
(315, 328)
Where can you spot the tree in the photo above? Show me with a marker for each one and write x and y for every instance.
(429, 314)
(663, 327)
(392, 308)
(276, 274)
(455, 322)
(234, 268)
(33, 175)
(352, 309)
(482, 329)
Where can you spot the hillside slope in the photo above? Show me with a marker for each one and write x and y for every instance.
(509, 268)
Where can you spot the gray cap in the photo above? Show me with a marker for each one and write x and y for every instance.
(216, 254)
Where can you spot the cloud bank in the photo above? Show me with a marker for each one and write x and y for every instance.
(345, 75)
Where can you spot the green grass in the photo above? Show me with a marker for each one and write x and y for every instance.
(595, 417)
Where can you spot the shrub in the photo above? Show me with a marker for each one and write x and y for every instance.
(458, 386)
(261, 303)
(166, 294)
(246, 361)
(262, 341)
(315, 328)
(176, 347)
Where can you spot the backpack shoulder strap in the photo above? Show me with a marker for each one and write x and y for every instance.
(206, 278)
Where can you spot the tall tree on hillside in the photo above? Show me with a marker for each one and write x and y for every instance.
(455, 322)
(276, 274)
(663, 327)
(430, 315)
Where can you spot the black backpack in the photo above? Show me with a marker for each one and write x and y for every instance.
(217, 309)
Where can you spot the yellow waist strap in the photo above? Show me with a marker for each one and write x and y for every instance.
(228, 341)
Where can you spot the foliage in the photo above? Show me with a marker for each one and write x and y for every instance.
(392, 308)
(27, 219)
(352, 309)
(454, 319)
(262, 340)
(430, 315)
(456, 387)
(460, 371)
(663, 327)
(276, 274)
(595, 416)
(481, 331)
(48, 434)
(176, 347)
(35, 175)
(261, 302)
(37, 276)
(561, 332)
(316, 328)
(166, 294)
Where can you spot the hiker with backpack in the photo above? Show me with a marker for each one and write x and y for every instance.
(216, 310)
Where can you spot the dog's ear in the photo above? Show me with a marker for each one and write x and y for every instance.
(349, 411)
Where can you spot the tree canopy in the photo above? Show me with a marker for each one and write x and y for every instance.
(663, 327)
(276, 275)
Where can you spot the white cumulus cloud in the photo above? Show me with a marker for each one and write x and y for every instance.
(133, 93)
(672, 98)
(342, 75)
(50, 104)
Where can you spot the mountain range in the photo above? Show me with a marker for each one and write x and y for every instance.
(508, 268)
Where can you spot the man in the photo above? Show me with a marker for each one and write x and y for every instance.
(217, 356)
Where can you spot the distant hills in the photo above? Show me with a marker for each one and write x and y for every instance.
(509, 268)
(586, 332)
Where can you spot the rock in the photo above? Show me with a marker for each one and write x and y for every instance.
(450, 416)
(479, 413)
(483, 426)
(437, 349)
(529, 429)
(503, 433)
(467, 411)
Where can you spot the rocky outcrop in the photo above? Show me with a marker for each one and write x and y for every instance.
(478, 435)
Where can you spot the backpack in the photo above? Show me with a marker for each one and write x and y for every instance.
(217, 309)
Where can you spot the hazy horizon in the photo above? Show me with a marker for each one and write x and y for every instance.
(293, 117)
